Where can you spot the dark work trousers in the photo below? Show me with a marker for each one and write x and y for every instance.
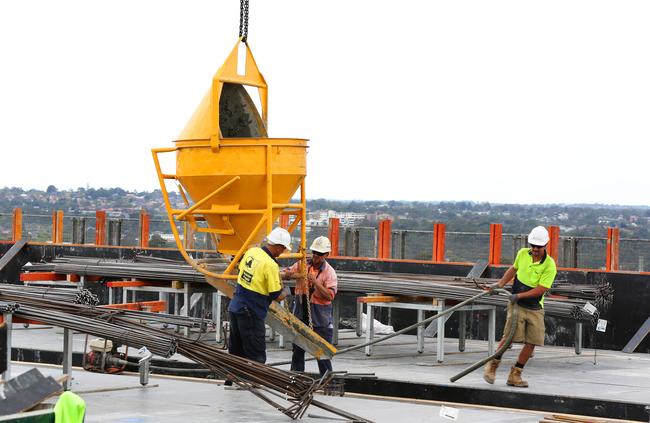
(247, 336)
(298, 356)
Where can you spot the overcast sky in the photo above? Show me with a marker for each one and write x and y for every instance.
(499, 101)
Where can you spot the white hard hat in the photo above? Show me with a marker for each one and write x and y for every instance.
(321, 245)
(538, 236)
(279, 236)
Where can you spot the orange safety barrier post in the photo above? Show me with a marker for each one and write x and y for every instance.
(54, 226)
(144, 229)
(100, 227)
(438, 242)
(17, 225)
(59, 227)
(613, 239)
(553, 247)
(384, 239)
(333, 235)
(496, 232)
(152, 306)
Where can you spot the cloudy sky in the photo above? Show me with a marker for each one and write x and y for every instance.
(501, 101)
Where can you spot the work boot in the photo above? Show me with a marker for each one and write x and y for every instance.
(491, 370)
(514, 378)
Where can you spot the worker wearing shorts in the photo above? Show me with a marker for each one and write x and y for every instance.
(532, 274)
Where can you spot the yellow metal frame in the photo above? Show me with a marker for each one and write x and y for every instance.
(192, 213)
(228, 73)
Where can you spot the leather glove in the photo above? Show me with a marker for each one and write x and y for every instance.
(493, 286)
(514, 298)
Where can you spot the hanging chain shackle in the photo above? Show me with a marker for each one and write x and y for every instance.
(243, 20)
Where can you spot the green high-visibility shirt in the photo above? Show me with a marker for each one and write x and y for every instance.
(533, 274)
(70, 408)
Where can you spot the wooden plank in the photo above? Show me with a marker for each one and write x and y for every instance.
(13, 252)
(378, 299)
(638, 337)
(413, 299)
(26, 391)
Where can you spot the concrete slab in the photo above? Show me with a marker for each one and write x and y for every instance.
(176, 401)
(553, 371)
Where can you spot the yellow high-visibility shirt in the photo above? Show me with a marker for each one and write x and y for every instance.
(259, 272)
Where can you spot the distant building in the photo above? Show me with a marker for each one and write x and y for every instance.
(322, 217)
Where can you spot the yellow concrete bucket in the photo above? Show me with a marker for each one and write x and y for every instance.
(231, 175)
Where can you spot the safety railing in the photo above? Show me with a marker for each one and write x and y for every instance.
(587, 252)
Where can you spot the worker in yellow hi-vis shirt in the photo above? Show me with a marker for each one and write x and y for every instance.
(532, 274)
(258, 284)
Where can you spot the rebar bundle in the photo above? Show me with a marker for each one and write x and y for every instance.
(448, 287)
(31, 296)
(436, 287)
(72, 295)
(152, 269)
(93, 321)
(9, 307)
(262, 381)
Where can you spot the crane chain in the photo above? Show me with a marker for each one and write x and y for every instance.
(308, 296)
(243, 20)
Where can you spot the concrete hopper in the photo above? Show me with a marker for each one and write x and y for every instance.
(239, 181)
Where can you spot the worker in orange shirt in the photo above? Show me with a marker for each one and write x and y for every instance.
(313, 301)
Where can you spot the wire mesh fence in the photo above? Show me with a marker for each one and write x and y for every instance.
(466, 246)
(412, 245)
(367, 241)
(634, 254)
(6, 226)
(510, 245)
(592, 253)
(37, 227)
(354, 241)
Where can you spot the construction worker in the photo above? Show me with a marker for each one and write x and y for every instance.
(314, 295)
(532, 275)
(258, 284)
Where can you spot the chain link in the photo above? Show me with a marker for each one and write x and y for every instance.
(308, 296)
(243, 20)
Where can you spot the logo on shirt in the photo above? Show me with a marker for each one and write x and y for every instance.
(247, 277)
(249, 262)
(247, 273)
